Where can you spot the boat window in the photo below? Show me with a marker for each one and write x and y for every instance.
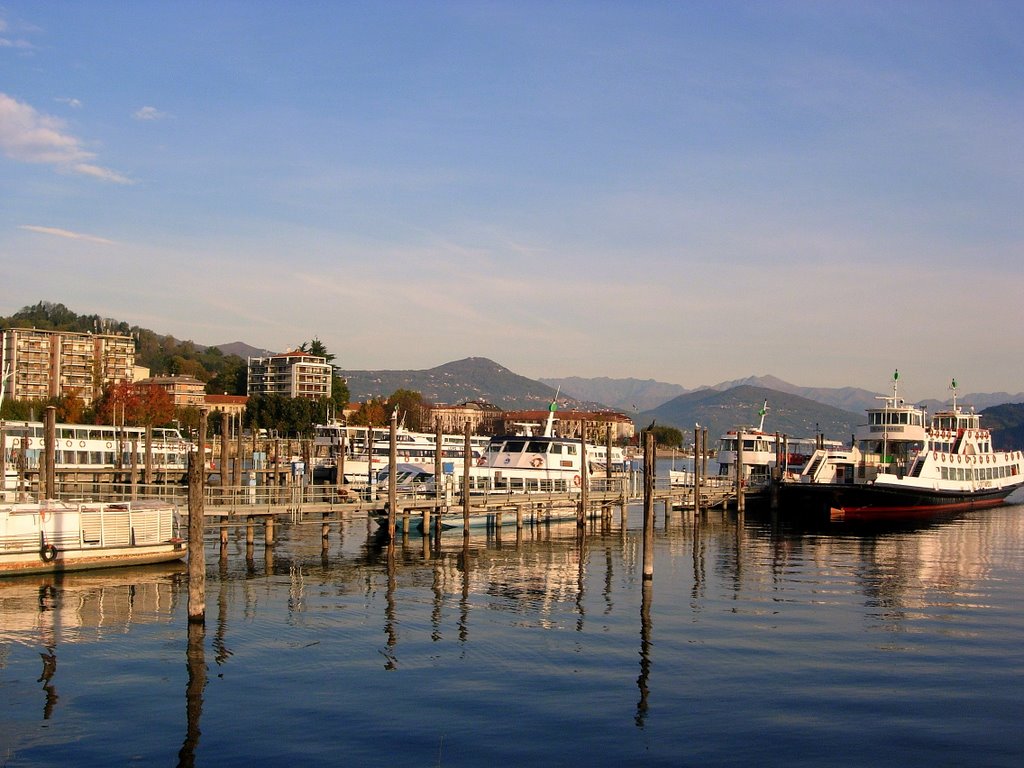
(537, 446)
(571, 450)
(515, 446)
(556, 448)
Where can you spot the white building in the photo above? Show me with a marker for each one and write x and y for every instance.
(291, 374)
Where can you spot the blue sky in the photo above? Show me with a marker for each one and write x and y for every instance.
(687, 192)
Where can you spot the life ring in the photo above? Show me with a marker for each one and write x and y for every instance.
(48, 553)
(959, 459)
(537, 461)
(109, 444)
(576, 480)
(935, 455)
(68, 443)
(81, 443)
(481, 461)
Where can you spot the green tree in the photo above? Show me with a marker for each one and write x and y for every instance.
(668, 437)
(411, 407)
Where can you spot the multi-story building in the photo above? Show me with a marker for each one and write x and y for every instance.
(291, 374)
(44, 364)
(484, 418)
(185, 391)
(570, 424)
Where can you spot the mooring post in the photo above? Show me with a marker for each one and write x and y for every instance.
(196, 523)
(147, 478)
(648, 546)
(698, 450)
(50, 452)
(392, 473)
(740, 472)
(467, 454)
(135, 469)
(581, 514)
(225, 451)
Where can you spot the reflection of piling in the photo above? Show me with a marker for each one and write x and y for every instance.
(645, 650)
(195, 661)
(196, 515)
(648, 548)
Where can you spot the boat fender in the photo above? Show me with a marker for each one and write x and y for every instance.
(48, 553)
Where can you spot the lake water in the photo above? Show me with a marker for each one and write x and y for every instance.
(756, 643)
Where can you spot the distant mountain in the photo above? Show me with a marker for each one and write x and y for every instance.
(243, 350)
(623, 393)
(626, 395)
(1007, 424)
(475, 378)
(721, 411)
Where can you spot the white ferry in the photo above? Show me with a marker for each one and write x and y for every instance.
(368, 452)
(903, 466)
(93, 447)
(53, 536)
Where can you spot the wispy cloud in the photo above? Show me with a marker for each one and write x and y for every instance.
(149, 114)
(67, 233)
(74, 103)
(17, 43)
(32, 137)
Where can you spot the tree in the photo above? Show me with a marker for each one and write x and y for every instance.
(371, 412)
(411, 407)
(668, 437)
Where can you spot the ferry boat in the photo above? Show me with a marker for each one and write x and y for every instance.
(904, 466)
(93, 447)
(763, 451)
(367, 452)
(54, 536)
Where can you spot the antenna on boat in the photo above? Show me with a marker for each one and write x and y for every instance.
(763, 411)
(951, 386)
(549, 426)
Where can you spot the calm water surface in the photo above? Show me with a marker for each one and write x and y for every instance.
(757, 643)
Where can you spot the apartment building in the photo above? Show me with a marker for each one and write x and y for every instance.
(42, 364)
(290, 374)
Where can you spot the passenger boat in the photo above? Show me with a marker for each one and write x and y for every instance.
(367, 452)
(763, 451)
(904, 466)
(93, 447)
(54, 536)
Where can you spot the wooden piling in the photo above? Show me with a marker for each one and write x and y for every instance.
(468, 453)
(698, 450)
(392, 474)
(741, 503)
(581, 514)
(648, 545)
(135, 470)
(224, 463)
(196, 522)
(148, 470)
(50, 452)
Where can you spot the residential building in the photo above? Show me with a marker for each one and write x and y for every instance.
(484, 418)
(233, 405)
(291, 374)
(570, 423)
(44, 364)
(185, 391)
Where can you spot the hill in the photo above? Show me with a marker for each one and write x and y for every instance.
(474, 378)
(1007, 424)
(721, 411)
(626, 395)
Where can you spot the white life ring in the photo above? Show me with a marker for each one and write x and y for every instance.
(109, 444)
(81, 443)
(68, 443)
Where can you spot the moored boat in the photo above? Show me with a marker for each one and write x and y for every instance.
(54, 536)
(904, 466)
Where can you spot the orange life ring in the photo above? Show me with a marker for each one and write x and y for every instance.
(576, 480)
(959, 459)
(935, 455)
(537, 461)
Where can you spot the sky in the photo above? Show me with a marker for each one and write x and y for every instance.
(690, 192)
